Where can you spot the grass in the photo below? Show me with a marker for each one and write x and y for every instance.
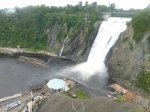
(120, 98)
(79, 93)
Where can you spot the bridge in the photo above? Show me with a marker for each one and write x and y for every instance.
(106, 15)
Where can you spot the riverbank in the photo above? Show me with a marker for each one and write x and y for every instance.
(41, 92)
(21, 75)
(45, 56)
(44, 97)
(15, 51)
(91, 92)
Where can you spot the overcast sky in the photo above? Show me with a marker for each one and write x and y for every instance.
(125, 4)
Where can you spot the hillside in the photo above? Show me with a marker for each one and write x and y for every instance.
(130, 58)
(66, 31)
(102, 104)
(46, 28)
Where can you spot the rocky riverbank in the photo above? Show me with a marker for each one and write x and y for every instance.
(97, 99)
(43, 55)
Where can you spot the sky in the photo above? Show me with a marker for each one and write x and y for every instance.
(125, 4)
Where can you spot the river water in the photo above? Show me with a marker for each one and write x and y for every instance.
(17, 76)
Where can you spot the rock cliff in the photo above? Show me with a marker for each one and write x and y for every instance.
(128, 57)
(76, 47)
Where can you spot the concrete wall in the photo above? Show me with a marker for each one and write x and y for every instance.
(106, 16)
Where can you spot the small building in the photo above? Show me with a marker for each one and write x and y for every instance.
(56, 85)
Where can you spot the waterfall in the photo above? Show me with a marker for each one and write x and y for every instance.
(63, 46)
(107, 36)
(61, 50)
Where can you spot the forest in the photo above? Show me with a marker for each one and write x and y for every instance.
(141, 24)
(27, 27)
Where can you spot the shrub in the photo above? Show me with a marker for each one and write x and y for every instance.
(144, 80)
(148, 38)
(120, 98)
(131, 46)
(141, 23)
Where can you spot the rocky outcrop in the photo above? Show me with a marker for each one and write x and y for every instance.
(101, 104)
(33, 61)
(128, 57)
(75, 48)
(36, 58)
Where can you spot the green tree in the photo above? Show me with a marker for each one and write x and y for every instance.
(112, 5)
(141, 23)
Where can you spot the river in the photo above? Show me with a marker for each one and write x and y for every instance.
(17, 76)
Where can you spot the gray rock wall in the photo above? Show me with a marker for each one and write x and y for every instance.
(77, 47)
(128, 57)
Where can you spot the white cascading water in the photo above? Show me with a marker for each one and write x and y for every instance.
(61, 50)
(107, 36)
(63, 46)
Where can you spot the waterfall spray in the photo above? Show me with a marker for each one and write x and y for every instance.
(93, 73)
(107, 36)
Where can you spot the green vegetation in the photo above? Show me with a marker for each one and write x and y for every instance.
(148, 38)
(131, 46)
(125, 39)
(79, 93)
(28, 26)
(144, 80)
(141, 23)
(120, 98)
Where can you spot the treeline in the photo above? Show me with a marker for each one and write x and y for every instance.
(141, 24)
(27, 26)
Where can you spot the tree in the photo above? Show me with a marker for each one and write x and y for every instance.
(86, 3)
(29, 26)
(112, 5)
(80, 3)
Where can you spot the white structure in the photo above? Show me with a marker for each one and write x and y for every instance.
(106, 15)
(56, 84)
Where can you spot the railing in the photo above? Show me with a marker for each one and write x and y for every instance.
(120, 14)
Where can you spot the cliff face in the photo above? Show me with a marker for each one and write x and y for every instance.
(128, 57)
(76, 47)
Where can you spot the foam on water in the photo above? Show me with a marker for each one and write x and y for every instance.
(107, 36)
